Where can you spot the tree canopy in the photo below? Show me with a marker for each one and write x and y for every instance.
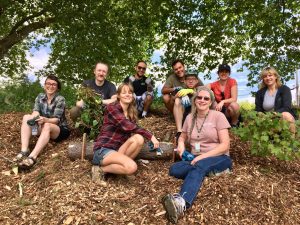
(202, 32)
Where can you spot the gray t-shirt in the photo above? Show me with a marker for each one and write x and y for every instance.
(269, 101)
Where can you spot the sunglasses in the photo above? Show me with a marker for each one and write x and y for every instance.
(141, 68)
(51, 84)
(205, 98)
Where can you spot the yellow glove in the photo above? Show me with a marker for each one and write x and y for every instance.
(185, 92)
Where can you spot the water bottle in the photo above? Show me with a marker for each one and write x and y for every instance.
(34, 129)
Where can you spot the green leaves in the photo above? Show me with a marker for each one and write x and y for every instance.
(91, 118)
(269, 135)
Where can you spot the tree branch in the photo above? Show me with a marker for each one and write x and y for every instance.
(18, 35)
(23, 20)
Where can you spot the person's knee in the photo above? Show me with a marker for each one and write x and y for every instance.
(130, 168)
(46, 127)
(166, 98)
(27, 117)
(288, 117)
(234, 107)
(177, 102)
(138, 139)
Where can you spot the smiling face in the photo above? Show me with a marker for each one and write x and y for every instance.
(125, 95)
(269, 79)
(179, 70)
(223, 75)
(50, 87)
(140, 69)
(203, 101)
(100, 72)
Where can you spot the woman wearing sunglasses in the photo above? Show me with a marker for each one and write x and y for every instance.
(275, 97)
(47, 120)
(226, 92)
(205, 131)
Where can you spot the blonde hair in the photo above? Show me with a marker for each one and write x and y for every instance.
(132, 111)
(194, 109)
(266, 71)
(199, 89)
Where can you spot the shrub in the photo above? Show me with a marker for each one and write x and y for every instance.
(269, 135)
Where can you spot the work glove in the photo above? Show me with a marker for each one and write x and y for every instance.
(184, 92)
(176, 89)
(185, 101)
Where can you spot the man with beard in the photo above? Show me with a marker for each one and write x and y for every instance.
(103, 87)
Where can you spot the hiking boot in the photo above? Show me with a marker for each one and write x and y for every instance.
(97, 174)
(175, 206)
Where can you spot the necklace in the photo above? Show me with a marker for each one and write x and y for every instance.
(199, 130)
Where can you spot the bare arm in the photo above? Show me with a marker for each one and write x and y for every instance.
(220, 149)
(181, 143)
(111, 100)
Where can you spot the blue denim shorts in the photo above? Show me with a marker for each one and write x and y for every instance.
(100, 154)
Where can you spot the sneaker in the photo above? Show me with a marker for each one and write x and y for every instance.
(97, 174)
(175, 206)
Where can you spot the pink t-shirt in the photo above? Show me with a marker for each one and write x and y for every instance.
(216, 88)
(208, 137)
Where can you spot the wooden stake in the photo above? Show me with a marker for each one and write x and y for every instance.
(83, 149)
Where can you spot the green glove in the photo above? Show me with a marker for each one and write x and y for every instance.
(32, 121)
(185, 92)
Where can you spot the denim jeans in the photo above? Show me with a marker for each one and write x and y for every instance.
(193, 175)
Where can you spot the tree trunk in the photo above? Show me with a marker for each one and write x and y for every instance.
(75, 151)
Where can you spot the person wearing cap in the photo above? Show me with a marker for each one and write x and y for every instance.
(143, 88)
(226, 92)
(106, 89)
(182, 105)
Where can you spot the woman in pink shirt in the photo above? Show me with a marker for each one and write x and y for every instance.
(226, 92)
(206, 133)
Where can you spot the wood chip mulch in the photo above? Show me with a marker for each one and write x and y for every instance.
(60, 191)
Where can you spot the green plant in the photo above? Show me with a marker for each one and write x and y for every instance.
(269, 135)
(91, 118)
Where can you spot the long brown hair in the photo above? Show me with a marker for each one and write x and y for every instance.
(132, 111)
(269, 70)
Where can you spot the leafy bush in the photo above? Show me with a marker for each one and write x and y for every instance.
(91, 117)
(269, 135)
(246, 106)
(20, 97)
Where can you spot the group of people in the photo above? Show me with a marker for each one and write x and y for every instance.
(203, 115)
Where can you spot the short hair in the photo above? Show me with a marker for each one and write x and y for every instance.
(143, 61)
(177, 61)
(55, 78)
(104, 63)
(269, 70)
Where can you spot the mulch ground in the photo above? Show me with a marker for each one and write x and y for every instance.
(60, 191)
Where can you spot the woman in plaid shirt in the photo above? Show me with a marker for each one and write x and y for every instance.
(47, 120)
(120, 139)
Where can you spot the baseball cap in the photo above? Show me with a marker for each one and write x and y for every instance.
(224, 67)
(191, 74)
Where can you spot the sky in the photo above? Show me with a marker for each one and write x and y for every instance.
(39, 58)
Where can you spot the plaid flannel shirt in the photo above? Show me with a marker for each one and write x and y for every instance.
(56, 109)
(116, 129)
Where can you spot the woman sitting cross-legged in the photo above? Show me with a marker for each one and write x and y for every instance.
(275, 97)
(120, 139)
(47, 120)
(206, 132)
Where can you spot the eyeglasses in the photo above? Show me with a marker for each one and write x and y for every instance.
(205, 98)
(141, 68)
(51, 84)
